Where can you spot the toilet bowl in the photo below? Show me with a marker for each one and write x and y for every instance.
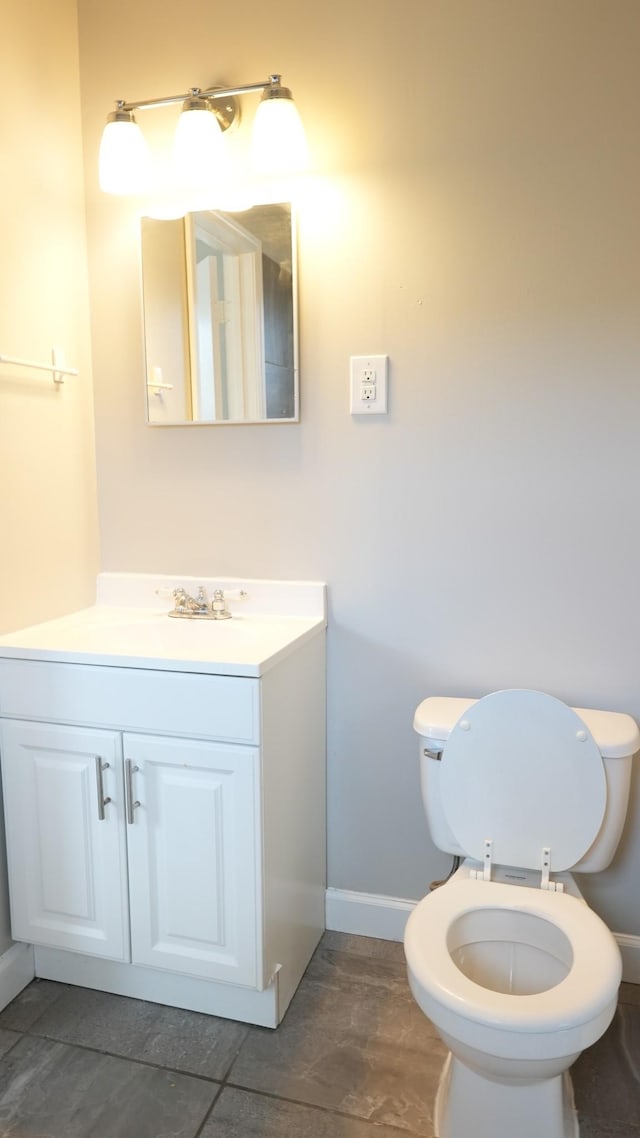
(514, 970)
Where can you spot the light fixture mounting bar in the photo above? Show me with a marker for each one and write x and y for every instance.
(209, 93)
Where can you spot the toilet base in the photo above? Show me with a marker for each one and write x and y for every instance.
(466, 1103)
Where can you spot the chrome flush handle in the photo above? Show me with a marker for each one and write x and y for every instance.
(432, 753)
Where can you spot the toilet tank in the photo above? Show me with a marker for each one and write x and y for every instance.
(616, 736)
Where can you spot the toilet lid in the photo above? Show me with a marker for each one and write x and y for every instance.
(521, 768)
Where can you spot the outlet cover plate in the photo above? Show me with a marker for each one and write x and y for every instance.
(368, 385)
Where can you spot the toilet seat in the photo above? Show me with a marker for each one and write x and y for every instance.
(511, 764)
(581, 997)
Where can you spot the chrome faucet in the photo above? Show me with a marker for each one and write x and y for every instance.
(199, 607)
(188, 606)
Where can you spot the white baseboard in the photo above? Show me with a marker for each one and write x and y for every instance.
(630, 951)
(369, 914)
(17, 969)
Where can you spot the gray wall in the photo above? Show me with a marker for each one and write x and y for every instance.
(474, 214)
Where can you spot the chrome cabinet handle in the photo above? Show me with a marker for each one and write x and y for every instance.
(102, 801)
(130, 770)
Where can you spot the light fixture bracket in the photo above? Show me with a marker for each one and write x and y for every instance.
(226, 108)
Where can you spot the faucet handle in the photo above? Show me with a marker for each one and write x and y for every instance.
(181, 599)
(219, 608)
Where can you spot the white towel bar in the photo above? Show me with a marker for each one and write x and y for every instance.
(57, 370)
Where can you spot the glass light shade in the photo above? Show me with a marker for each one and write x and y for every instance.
(278, 145)
(199, 154)
(123, 162)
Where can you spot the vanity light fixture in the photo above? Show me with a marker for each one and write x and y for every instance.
(278, 144)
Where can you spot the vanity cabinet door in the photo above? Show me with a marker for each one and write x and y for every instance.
(193, 840)
(66, 851)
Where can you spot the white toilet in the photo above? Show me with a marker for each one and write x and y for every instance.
(506, 959)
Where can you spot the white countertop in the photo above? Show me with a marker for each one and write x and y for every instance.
(133, 636)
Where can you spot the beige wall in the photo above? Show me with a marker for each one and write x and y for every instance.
(48, 521)
(47, 463)
(475, 216)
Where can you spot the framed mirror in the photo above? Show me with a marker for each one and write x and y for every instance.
(219, 295)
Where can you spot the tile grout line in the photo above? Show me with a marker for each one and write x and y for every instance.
(125, 1058)
(19, 1035)
(208, 1113)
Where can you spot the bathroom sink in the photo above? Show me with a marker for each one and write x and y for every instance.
(131, 635)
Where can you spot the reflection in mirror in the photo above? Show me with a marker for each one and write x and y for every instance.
(220, 321)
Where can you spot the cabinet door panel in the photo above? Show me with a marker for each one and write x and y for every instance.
(192, 857)
(67, 867)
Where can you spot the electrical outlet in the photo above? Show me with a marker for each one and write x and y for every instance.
(368, 387)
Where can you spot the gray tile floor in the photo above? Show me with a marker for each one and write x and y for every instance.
(354, 1058)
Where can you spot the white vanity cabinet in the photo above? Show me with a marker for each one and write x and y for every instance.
(165, 810)
(133, 847)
